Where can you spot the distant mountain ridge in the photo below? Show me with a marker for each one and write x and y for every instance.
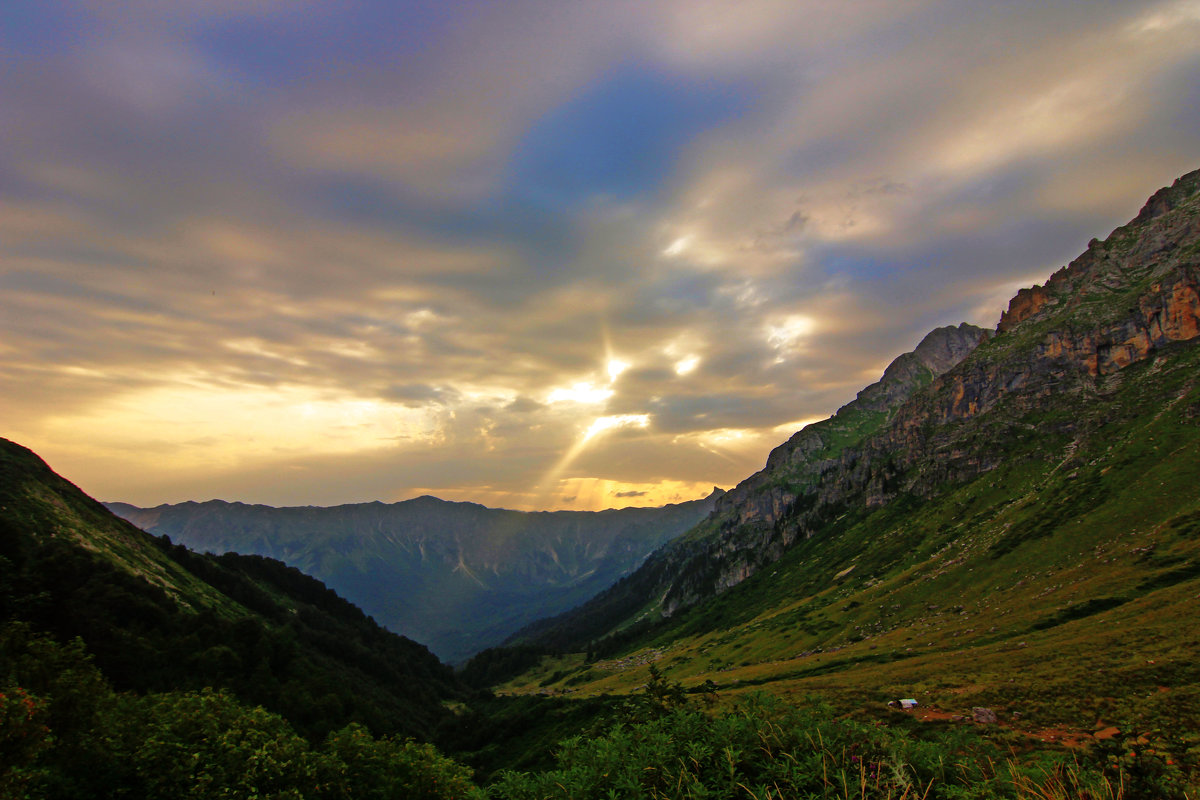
(458, 577)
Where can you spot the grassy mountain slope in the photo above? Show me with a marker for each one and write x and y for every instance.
(159, 617)
(1022, 534)
(458, 577)
(741, 535)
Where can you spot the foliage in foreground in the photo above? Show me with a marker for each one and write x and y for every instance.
(766, 750)
(665, 746)
(64, 733)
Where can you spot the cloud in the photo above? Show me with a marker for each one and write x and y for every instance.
(276, 252)
(420, 394)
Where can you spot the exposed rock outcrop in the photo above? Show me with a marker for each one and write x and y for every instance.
(1116, 304)
(765, 496)
(1027, 303)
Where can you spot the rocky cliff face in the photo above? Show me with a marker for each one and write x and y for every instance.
(747, 512)
(1117, 304)
(753, 523)
(1141, 257)
(764, 496)
(946, 412)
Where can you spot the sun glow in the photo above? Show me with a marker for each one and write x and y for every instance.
(602, 424)
(584, 392)
(788, 332)
(677, 247)
(594, 494)
(240, 426)
(687, 365)
(788, 428)
(615, 367)
(599, 426)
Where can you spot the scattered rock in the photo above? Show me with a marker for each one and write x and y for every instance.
(983, 715)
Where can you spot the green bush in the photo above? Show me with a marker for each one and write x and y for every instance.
(202, 745)
(764, 749)
(355, 766)
(23, 736)
(64, 733)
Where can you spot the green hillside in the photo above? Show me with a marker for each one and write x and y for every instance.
(157, 617)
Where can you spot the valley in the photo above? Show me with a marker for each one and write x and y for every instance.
(1005, 528)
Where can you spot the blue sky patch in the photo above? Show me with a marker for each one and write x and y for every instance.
(619, 138)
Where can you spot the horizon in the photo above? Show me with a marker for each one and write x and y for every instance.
(529, 256)
(394, 503)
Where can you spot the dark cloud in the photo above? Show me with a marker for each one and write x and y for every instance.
(419, 394)
(524, 405)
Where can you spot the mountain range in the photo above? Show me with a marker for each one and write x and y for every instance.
(1042, 392)
(457, 577)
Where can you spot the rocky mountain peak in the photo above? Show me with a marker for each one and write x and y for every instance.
(763, 498)
(1155, 244)
(940, 350)
(1024, 305)
(1168, 198)
(944, 347)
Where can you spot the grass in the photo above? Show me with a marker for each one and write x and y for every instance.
(765, 747)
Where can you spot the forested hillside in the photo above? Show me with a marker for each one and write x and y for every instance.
(158, 617)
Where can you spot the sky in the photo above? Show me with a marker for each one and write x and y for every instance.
(535, 255)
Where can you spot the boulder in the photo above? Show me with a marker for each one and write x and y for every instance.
(983, 715)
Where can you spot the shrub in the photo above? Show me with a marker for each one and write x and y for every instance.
(23, 736)
(355, 766)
